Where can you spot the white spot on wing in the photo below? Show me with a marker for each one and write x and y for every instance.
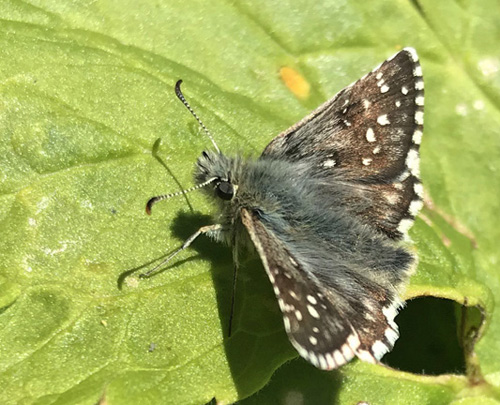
(390, 311)
(330, 361)
(403, 176)
(353, 341)
(384, 89)
(379, 75)
(419, 189)
(369, 316)
(339, 358)
(313, 358)
(347, 352)
(302, 351)
(329, 163)
(380, 82)
(413, 54)
(415, 207)
(412, 161)
(368, 306)
(419, 100)
(417, 71)
(392, 198)
(405, 225)
(417, 137)
(313, 311)
(286, 321)
(313, 340)
(298, 315)
(370, 135)
(383, 120)
(391, 321)
(419, 117)
(322, 362)
(404, 90)
(376, 150)
(398, 103)
(379, 349)
(367, 161)
(366, 104)
(366, 356)
(419, 85)
(391, 336)
(312, 300)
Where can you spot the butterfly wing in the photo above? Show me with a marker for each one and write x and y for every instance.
(329, 317)
(368, 135)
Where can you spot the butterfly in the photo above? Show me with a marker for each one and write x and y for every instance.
(327, 207)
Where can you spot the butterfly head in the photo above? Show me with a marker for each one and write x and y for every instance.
(213, 168)
(218, 170)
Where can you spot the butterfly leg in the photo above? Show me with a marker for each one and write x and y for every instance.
(235, 277)
(211, 230)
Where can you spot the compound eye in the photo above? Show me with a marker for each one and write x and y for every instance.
(225, 190)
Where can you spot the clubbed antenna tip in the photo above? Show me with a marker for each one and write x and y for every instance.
(150, 204)
(181, 97)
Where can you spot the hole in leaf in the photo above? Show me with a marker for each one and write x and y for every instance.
(431, 331)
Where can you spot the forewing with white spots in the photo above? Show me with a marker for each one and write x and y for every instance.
(368, 135)
(326, 324)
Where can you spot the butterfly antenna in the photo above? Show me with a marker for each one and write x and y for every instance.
(181, 97)
(154, 200)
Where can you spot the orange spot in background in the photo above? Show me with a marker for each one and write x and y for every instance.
(297, 84)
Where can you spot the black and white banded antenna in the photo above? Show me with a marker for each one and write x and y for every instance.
(154, 200)
(181, 97)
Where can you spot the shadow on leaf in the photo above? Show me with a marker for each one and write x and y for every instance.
(430, 340)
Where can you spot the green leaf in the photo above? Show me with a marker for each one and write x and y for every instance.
(86, 90)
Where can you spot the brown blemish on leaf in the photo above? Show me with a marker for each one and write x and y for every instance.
(459, 227)
(425, 218)
(103, 400)
(446, 241)
(295, 82)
